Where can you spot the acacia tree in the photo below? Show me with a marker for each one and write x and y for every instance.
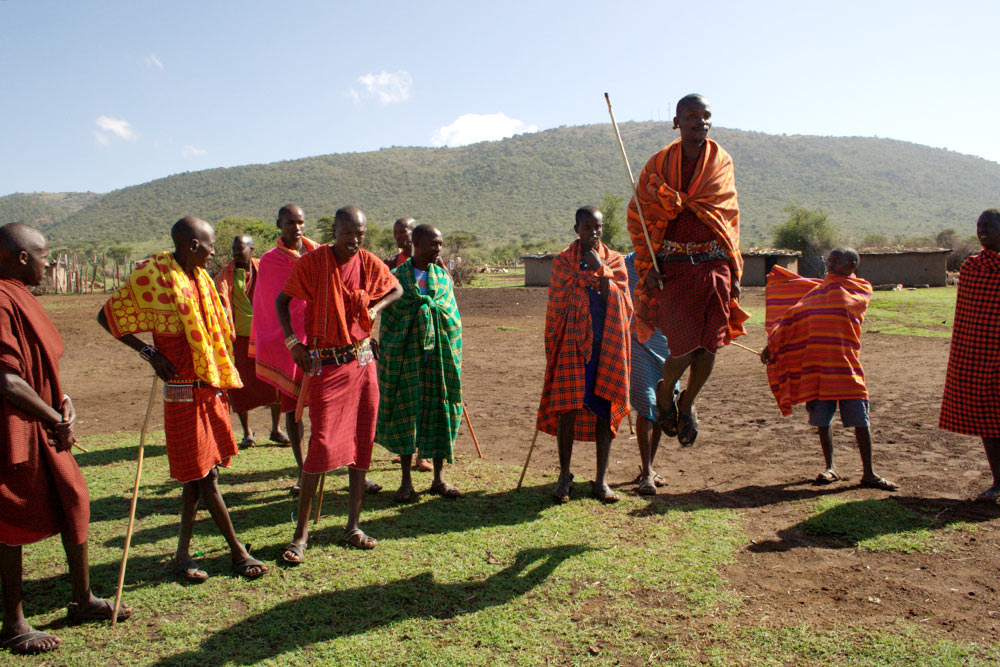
(612, 206)
(809, 232)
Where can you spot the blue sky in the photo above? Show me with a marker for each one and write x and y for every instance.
(99, 95)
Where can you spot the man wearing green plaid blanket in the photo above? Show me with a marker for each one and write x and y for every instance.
(420, 366)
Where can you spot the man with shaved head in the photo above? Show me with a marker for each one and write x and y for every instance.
(235, 284)
(813, 355)
(172, 296)
(402, 232)
(687, 194)
(344, 288)
(42, 491)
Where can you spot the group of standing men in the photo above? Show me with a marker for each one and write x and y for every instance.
(293, 328)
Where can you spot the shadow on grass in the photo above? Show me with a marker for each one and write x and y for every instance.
(100, 457)
(895, 524)
(742, 498)
(322, 617)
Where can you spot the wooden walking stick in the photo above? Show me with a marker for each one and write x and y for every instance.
(135, 499)
(525, 468)
(748, 349)
(631, 429)
(319, 498)
(475, 440)
(635, 190)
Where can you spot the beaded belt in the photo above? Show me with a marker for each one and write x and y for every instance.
(339, 356)
(690, 253)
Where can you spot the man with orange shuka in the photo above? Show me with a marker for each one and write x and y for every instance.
(688, 197)
(587, 351)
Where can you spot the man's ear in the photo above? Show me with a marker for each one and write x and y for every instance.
(23, 257)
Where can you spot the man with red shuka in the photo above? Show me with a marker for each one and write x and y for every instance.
(344, 288)
(42, 491)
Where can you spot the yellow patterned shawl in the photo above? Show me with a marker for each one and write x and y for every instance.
(159, 297)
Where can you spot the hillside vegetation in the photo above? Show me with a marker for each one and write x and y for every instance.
(41, 209)
(526, 188)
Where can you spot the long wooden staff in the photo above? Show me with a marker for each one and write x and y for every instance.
(319, 498)
(525, 468)
(635, 190)
(748, 349)
(300, 406)
(475, 440)
(135, 500)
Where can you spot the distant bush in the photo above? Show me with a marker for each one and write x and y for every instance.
(961, 251)
(809, 232)
(614, 234)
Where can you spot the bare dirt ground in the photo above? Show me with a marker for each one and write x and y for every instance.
(747, 457)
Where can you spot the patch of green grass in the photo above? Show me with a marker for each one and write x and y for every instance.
(513, 278)
(880, 525)
(506, 328)
(923, 312)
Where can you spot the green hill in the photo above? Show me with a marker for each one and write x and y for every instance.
(527, 187)
(41, 209)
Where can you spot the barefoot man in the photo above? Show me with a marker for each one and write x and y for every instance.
(172, 296)
(688, 198)
(344, 287)
(813, 356)
(42, 491)
(274, 364)
(971, 403)
(420, 364)
(585, 395)
(235, 285)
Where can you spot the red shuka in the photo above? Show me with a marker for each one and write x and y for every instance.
(42, 491)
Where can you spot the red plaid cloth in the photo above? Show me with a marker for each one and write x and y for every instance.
(971, 403)
(665, 193)
(569, 340)
(335, 313)
(198, 433)
(42, 491)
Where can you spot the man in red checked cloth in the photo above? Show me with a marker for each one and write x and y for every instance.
(688, 199)
(344, 288)
(171, 295)
(587, 351)
(42, 491)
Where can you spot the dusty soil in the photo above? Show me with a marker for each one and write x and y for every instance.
(747, 457)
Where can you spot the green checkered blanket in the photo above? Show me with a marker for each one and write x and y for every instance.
(419, 368)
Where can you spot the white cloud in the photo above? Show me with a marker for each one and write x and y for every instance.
(388, 88)
(108, 128)
(473, 127)
(191, 151)
(354, 96)
(153, 61)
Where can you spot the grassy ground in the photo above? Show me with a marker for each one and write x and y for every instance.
(495, 578)
(513, 278)
(922, 312)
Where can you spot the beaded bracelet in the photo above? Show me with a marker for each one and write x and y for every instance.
(292, 341)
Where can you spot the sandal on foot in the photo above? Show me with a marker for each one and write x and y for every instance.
(827, 477)
(687, 426)
(445, 490)
(563, 490)
(880, 483)
(30, 643)
(247, 443)
(357, 539)
(404, 495)
(279, 438)
(371, 486)
(297, 552)
(295, 490)
(646, 488)
(658, 479)
(245, 566)
(605, 495)
(990, 495)
(667, 417)
(98, 610)
(189, 571)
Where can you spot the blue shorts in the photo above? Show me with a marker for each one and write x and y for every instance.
(853, 412)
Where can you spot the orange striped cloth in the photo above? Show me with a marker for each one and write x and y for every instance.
(711, 196)
(569, 342)
(784, 289)
(815, 344)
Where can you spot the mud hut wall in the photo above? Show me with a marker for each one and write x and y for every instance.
(905, 268)
(537, 271)
(757, 266)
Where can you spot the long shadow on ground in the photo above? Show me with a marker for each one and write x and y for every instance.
(325, 616)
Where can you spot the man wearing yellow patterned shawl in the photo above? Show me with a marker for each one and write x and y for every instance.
(172, 296)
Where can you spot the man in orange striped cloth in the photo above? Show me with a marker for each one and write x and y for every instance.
(171, 295)
(585, 395)
(813, 354)
(274, 364)
(42, 491)
(688, 197)
(235, 285)
(971, 402)
(344, 288)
